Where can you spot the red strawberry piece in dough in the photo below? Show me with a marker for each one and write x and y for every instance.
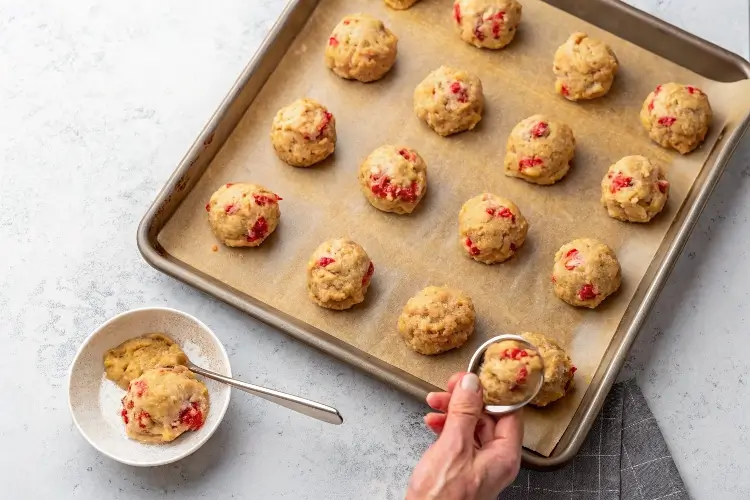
(663, 185)
(229, 184)
(473, 250)
(458, 89)
(130, 405)
(541, 129)
(324, 261)
(124, 415)
(142, 417)
(491, 211)
(564, 90)
(457, 12)
(140, 387)
(522, 374)
(263, 200)
(408, 155)
(231, 208)
(657, 90)
(382, 187)
(619, 182)
(573, 369)
(587, 292)
(666, 121)
(368, 274)
(259, 229)
(478, 30)
(208, 206)
(346, 21)
(333, 42)
(497, 24)
(692, 89)
(192, 417)
(651, 105)
(573, 259)
(530, 161)
(505, 213)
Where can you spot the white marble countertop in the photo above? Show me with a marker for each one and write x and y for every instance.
(98, 101)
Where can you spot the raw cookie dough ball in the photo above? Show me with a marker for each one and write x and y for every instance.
(436, 320)
(338, 274)
(510, 373)
(449, 100)
(585, 68)
(489, 24)
(303, 133)
(677, 116)
(242, 214)
(491, 229)
(634, 190)
(361, 48)
(393, 179)
(539, 150)
(558, 369)
(400, 4)
(130, 359)
(586, 272)
(162, 404)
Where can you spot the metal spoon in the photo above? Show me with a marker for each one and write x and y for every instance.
(301, 405)
(476, 362)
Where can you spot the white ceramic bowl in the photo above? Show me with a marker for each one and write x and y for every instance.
(95, 401)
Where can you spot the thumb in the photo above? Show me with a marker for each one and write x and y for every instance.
(465, 408)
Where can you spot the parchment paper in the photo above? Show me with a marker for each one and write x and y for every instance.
(411, 252)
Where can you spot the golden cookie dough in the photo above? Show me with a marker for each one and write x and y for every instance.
(338, 274)
(449, 100)
(585, 68)
(510, 373)
(436, 320)
(303, 133)
(488, 24)
(634, 190)
(491, 229)
(400, 4)
(164, 403)
(539, 150)
(393, 179)
(558, 369)
(586, 272)
(361, 48)
(130, 359)
(242, 214)
(677, 116)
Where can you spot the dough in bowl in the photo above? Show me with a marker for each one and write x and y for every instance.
(130, 359)
(539, 150)
(634, 190)
(361, 48)
(491, 229)
(303, 133)
(586, 272)
(242, 214)
(436, 320)
(510, 373)
(163, 403)
(585, 68)
(677, 116)
(338, 274)
(558, 369)
(449, 100)
(488, 24)
(393, 179)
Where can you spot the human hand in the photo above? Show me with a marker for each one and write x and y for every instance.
(475, 456)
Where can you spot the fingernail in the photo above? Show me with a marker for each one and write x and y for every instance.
(470, 382)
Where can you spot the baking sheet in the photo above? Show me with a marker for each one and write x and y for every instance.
(411, 252)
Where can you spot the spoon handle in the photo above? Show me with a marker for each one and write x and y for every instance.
(301, 405)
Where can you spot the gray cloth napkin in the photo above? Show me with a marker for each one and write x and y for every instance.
(624, 457)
